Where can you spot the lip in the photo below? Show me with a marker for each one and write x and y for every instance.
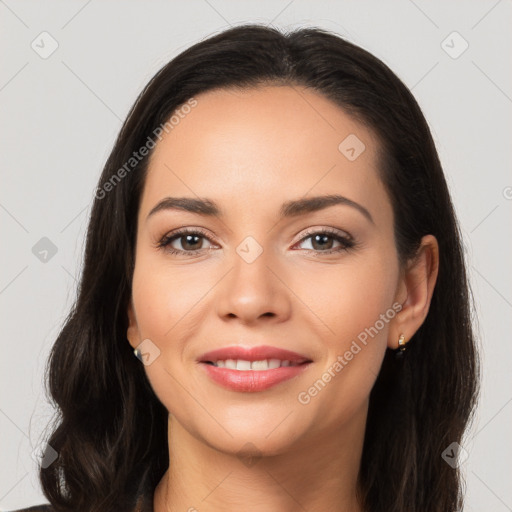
(252, 380)
(252, 354)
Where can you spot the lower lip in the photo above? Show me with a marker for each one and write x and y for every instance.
(250, 381)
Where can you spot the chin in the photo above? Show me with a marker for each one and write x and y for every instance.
(246, 444)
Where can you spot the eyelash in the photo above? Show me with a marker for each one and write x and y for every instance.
(347, 243)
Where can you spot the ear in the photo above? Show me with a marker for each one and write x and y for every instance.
(415, 291)
(132, 333)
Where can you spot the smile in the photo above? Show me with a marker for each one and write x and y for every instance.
(252, 369)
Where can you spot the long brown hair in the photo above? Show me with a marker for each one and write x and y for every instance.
(111, 430)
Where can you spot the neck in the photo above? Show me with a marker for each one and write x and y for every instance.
(316, 475)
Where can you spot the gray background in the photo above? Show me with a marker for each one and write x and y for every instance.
(60, 116)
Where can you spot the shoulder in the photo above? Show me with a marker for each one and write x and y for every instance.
(144, 504)
(36, 508)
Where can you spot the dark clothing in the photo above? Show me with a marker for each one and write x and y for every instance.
(37, 508)
(143, 501)
(144, 504)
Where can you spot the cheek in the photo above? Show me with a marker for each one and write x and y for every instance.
(368, 293)
(170, 301)
(159, 305)
(354, 301)
(349, 297)
(165, 297)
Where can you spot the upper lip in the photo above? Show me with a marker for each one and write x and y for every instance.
(258, 353)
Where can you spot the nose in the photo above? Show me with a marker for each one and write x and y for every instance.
(254, 291)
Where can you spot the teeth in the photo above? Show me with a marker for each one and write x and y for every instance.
(243, 365)
(259, 365)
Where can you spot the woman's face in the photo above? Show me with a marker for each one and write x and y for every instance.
(321, 280)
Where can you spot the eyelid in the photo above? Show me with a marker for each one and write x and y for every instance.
(180, 232)
(325, 229)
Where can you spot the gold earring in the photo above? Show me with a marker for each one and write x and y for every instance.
(399, 353)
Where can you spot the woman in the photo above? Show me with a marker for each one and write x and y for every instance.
(273, 238)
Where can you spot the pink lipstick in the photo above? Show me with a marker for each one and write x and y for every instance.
(252, 369)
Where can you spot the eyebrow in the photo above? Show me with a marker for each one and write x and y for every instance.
(208, 207)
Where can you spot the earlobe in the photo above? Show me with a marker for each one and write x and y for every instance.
(418, 283)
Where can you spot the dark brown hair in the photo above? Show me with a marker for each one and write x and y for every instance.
(111, 430)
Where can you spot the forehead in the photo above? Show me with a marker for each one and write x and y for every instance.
(251, 149)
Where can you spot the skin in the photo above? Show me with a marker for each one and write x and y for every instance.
(250, 151)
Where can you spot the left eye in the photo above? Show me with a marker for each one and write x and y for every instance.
(322, 241)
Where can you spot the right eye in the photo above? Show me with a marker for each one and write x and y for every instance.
(187, 238)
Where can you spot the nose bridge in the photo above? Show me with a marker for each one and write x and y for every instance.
(251, 288)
